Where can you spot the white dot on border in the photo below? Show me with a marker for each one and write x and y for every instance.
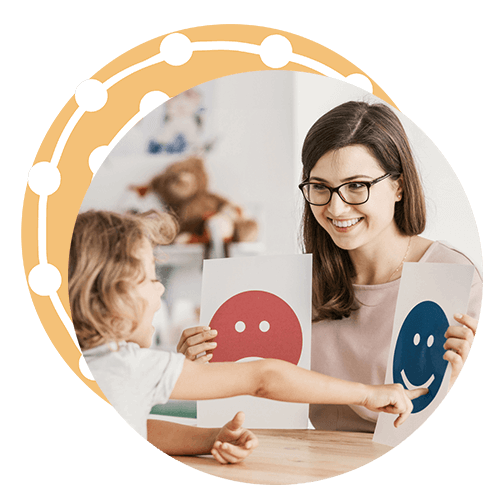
(44, 178)
(176, 49)
(97, 157)
(152, 100)
(91, 95)
(276, 51)
(416, 339)
(360, 81)
(44, 279)
(430, 341)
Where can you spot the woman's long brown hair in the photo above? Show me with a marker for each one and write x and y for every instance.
(376, 127)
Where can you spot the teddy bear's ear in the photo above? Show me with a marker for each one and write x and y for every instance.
(194, 163)
(198, 162)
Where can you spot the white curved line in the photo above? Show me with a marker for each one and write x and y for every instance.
(411, 387)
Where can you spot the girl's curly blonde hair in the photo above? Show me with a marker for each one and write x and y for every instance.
(104, 271)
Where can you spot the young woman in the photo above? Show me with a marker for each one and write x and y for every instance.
(363, 214)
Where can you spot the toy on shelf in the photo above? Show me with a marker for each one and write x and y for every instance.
(204, 217)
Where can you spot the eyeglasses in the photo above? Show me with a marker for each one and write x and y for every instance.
(352, 193)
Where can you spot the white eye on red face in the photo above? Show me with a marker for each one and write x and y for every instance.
(240, 326)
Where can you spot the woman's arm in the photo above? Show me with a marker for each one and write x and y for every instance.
(283, 381)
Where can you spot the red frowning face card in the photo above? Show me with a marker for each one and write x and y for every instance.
(261, 308)
(256, 323)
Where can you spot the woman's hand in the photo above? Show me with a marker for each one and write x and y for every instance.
(233, 443)
(197, 340)
(458, 344)
(392, 398)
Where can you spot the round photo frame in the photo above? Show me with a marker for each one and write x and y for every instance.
(104, 108)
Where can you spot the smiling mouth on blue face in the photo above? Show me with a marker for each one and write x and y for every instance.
(410, 386)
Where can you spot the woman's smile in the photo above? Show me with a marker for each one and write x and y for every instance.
(345, 225)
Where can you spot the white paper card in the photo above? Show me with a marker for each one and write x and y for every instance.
(429, 295)
(261, 308)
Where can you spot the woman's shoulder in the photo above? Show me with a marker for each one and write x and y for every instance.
(443, 252)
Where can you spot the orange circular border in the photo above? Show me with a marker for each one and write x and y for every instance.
(98, 128)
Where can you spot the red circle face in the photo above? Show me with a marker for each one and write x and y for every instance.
(256, 324)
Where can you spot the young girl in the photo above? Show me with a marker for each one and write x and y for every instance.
(114, 294)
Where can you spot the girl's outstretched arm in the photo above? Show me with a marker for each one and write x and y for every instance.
(283, 381)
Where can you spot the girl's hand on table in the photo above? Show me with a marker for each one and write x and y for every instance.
(197, 340)
(458, 344)
(233, 443)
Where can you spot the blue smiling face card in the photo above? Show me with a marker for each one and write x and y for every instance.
(418, 356)
(429, 296)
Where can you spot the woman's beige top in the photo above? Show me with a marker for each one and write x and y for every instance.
(357, 348)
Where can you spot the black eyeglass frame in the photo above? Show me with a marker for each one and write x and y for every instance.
(368, 185)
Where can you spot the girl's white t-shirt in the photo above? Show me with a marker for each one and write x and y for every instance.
(134, 379)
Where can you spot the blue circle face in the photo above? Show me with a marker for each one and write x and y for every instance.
(418, 357)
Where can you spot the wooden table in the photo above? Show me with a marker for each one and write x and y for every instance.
(295, 456)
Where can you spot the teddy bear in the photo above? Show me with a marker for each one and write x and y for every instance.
(203, 216)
